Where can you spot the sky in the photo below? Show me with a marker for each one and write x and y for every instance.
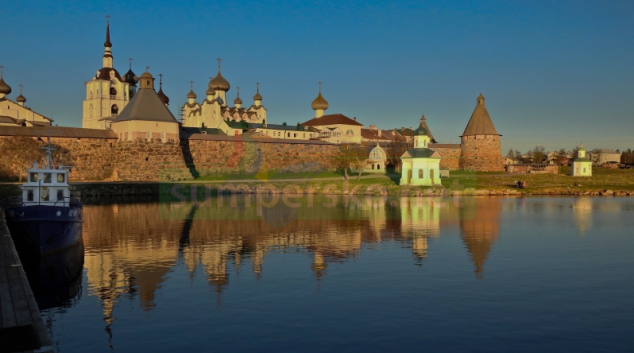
(554, 73)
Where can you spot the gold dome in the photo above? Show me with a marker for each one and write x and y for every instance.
(219, 83)
(319, 103)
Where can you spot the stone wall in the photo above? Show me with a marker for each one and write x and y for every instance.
(108, 159)
(481, 153)
(450, 156)
(91, 159)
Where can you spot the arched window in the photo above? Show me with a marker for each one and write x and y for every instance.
(420, 174)
(29, 195)
(114, 110)
(113, 91)
(378, 166)
(60, 195)
(349, 132)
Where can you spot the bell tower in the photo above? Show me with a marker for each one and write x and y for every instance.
(106, 93)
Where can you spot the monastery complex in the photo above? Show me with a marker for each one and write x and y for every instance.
(121, 111)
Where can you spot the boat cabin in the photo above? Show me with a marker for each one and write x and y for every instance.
(46, 186)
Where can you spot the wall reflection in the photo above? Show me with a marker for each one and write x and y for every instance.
(130, 248)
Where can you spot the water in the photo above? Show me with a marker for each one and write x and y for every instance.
(358, 275)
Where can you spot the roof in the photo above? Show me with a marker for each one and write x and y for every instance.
(332, 119)
(147, 106)
(184, 135)
(423, 123)
(279, 127)
(421, 153)
(57, 131)
(104, 73)
(8, 120)
(603, 150)
(386, 135)
(480, 122)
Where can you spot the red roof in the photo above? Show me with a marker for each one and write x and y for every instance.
(332, 119)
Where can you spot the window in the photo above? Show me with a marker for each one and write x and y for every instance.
(378, 166)
(44, 194)
(163, 136)
(294, 135)
(60, 178)
(349, 132)
(416, 143)
(29, 195)
(34, 178)
(60, 195)
(420, 174)
(47, 177)
(148, 135)
(584, 170)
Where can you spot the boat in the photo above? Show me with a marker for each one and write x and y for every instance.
(46, 218)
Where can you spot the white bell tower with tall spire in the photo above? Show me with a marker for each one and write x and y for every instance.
(106, 93)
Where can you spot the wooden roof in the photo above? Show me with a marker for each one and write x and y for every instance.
(480, 122)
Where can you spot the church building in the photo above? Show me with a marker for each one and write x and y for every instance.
(213, 110)
(421, 165)
(16, 113)
(333, 128)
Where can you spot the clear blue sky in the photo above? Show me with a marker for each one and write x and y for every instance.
(553, 72)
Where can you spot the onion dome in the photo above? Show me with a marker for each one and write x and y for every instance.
(319, 103)
(257, 96)
(210, 91)
(191, 94)
(219, 83)
(237, 100)
(20, 98)
(421, 131)
(4, 88)
(130, 78)
(160, 93)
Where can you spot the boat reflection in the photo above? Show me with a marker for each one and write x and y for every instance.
(55, 279)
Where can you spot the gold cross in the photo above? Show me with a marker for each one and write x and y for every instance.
(319, 86)
(219, 60)
(258, 83)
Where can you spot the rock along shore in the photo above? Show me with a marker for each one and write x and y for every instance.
(332, 188)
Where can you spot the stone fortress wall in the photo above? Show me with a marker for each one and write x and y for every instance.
(108, 159)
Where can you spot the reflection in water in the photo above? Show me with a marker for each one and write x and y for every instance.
(480, 228)
(582, 209)
(130, 248)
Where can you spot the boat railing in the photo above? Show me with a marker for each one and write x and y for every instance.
(18, 201)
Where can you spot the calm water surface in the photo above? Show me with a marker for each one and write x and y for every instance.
(358, 275)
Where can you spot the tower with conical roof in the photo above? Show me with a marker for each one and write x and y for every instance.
(320, 104)
(107, 93)
(480, 142)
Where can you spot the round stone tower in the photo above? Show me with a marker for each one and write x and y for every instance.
(480, 142)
